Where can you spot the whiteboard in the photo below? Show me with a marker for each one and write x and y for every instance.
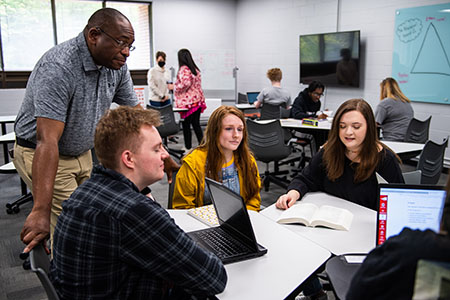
(216, 67)
(421, 61)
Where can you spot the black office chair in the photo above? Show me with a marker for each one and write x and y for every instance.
(298, 139)
(242, 98)
(267, 144)
(14, 206)
(168, 127)
(412, 177)
(340, 273)
(40, 264)
(431, 161)
(270, 112)
(418, 131)
(171, 189)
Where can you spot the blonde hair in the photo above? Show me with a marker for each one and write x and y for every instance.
(390, 89)
(274, 74)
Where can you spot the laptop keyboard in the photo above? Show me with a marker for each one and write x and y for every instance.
(223, 244)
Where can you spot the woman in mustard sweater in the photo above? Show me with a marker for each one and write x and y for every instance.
(223, 156)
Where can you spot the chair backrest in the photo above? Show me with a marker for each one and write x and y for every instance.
(171, 188)
(418, 131)
(270, 112)
(285, 113)
(267, 141)
(242, 98)
(168, 124)
(341, 272)
(40, 264)
(431, 161)
(413, 177)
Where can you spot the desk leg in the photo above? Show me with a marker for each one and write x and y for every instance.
(5, 153)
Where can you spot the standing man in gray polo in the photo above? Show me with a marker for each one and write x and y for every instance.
(69, 90)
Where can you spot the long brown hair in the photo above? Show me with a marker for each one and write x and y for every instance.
(242, 155)
(334, 149)
(390, 89)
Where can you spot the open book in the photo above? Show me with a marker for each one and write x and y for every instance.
(205, 214)
(311, 215)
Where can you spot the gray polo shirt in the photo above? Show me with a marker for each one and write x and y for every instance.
(66, 85)
(394, 117)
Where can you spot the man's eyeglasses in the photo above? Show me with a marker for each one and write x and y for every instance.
(120, 44)
(317, 94)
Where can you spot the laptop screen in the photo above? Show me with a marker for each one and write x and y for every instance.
(251, 97)
(413, 206)
(231, 212)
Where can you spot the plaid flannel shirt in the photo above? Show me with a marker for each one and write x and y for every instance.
(113, 242)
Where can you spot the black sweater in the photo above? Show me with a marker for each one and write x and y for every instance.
(314, 178)
(304, 106)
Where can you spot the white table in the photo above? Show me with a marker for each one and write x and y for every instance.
(275, 275)
(176, 109)
(359, 239)
(297, 124)
(405, 150)
(6, 119)
(6, 139)
(244, 106)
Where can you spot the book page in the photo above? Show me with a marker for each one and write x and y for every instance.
(333, 217)
(299, 213)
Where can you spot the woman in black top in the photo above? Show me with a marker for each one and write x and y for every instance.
(347, 164)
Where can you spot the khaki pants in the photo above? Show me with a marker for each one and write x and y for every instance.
(72, 171)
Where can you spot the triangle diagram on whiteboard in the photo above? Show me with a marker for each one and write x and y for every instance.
(432, 58)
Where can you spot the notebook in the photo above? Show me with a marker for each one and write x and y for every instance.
(251, 97)
(206, 214)
(408, 205)
(233, 240)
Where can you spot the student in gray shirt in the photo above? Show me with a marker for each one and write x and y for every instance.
(274, 95)
(394, 112)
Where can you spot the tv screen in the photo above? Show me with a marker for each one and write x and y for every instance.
(331, 58)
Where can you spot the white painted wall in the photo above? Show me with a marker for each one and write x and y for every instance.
(268, 36)
(198, 25)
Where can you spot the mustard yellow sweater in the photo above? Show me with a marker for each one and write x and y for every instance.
(190, 183)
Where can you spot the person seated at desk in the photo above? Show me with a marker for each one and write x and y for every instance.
(394, 113)
(274, 95)
(388, 272)
(113, 242)
(346, 165)
(159, 82)
(307, 103)
(224, 156)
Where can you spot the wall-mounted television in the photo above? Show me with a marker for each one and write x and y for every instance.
(332, 58)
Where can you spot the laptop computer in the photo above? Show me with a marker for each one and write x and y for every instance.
(408, 205)
(251, 97)
(233, 240)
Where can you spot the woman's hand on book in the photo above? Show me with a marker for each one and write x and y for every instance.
(287, 200)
